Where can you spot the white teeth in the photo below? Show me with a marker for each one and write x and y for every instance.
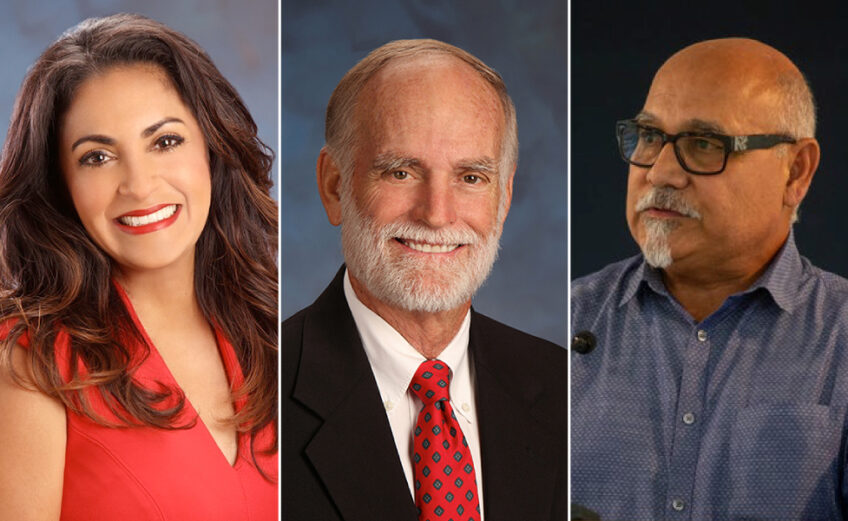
(159, 215)
(430, 248)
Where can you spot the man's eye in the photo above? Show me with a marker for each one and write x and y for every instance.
(168, 141)
(471, 179)
(94, 158)
(400, 175)
(705, 145)
(649, 137)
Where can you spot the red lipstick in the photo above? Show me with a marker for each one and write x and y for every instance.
(150, 227)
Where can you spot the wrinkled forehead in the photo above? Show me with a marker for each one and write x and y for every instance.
(734, 94)
(431, 82)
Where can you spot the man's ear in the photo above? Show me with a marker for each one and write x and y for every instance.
(801, 171)
(329, 183)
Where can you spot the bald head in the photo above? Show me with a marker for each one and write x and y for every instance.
(769, 90)
(423, 89)
(734, 221)
(341, 125)
(738, 55)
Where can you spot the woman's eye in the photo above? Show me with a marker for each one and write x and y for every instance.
(168, 141)
(94, 158)
(400, 175)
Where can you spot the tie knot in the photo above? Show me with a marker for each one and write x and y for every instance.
(431, 381)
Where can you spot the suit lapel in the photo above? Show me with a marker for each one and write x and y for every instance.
(353, 451)
(519, 453)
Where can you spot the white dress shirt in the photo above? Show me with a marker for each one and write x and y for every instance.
(394, 362)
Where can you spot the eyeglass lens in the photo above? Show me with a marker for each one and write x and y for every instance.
(642, 145)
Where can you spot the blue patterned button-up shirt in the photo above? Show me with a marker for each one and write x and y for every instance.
(741, 416)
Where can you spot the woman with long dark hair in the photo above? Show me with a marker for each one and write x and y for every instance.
(138, 312)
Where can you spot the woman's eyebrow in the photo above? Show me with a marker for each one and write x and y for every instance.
(97, 138)
(154, 127)
(106, 140)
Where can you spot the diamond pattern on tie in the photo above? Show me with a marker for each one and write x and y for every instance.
(440, 449)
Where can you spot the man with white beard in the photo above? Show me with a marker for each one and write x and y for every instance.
(399, 401)
(708, 379)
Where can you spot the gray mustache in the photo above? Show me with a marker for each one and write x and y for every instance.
(667, 199)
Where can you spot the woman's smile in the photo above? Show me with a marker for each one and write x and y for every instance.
(136, 165)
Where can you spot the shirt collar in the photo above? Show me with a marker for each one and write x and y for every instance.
(642, 274)
(781, 279)
(394, 361)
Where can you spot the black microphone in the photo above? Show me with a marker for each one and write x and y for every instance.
(584, 342)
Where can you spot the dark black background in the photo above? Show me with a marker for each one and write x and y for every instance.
(615, 50)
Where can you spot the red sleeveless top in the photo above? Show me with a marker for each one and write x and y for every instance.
(147, 473)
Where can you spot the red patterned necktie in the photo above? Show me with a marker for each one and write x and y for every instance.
(445, 482)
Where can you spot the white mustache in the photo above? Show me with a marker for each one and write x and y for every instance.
(418, 233)
(666, 198)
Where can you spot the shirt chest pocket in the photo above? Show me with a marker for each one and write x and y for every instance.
(786, 462)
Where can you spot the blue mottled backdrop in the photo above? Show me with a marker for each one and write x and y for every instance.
(526, 43)
(240, 36)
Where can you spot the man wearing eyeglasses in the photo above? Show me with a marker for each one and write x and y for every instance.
(710, 373)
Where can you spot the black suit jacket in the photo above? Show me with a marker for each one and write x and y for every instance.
(339, 459)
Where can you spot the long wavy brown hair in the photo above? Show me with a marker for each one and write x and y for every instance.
(54, 277)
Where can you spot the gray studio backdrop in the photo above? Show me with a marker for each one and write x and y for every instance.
(240, 36)
(527, 46)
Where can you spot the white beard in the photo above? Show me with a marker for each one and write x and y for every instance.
(656, 248)
(431, 283)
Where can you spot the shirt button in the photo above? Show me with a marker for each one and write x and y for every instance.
(389, 405)
(688, 418)
(466, 407)
(702, 335)
(677, 504)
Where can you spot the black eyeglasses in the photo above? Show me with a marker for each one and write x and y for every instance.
(700, 153)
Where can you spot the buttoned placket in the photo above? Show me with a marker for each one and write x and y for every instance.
(687, 426)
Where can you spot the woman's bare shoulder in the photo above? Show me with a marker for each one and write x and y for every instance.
(32, 443)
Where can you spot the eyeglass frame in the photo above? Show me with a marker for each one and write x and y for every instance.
(731, 143)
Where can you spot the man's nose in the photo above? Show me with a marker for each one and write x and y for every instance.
(436, 202)
(667, 170)
(138, 177)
